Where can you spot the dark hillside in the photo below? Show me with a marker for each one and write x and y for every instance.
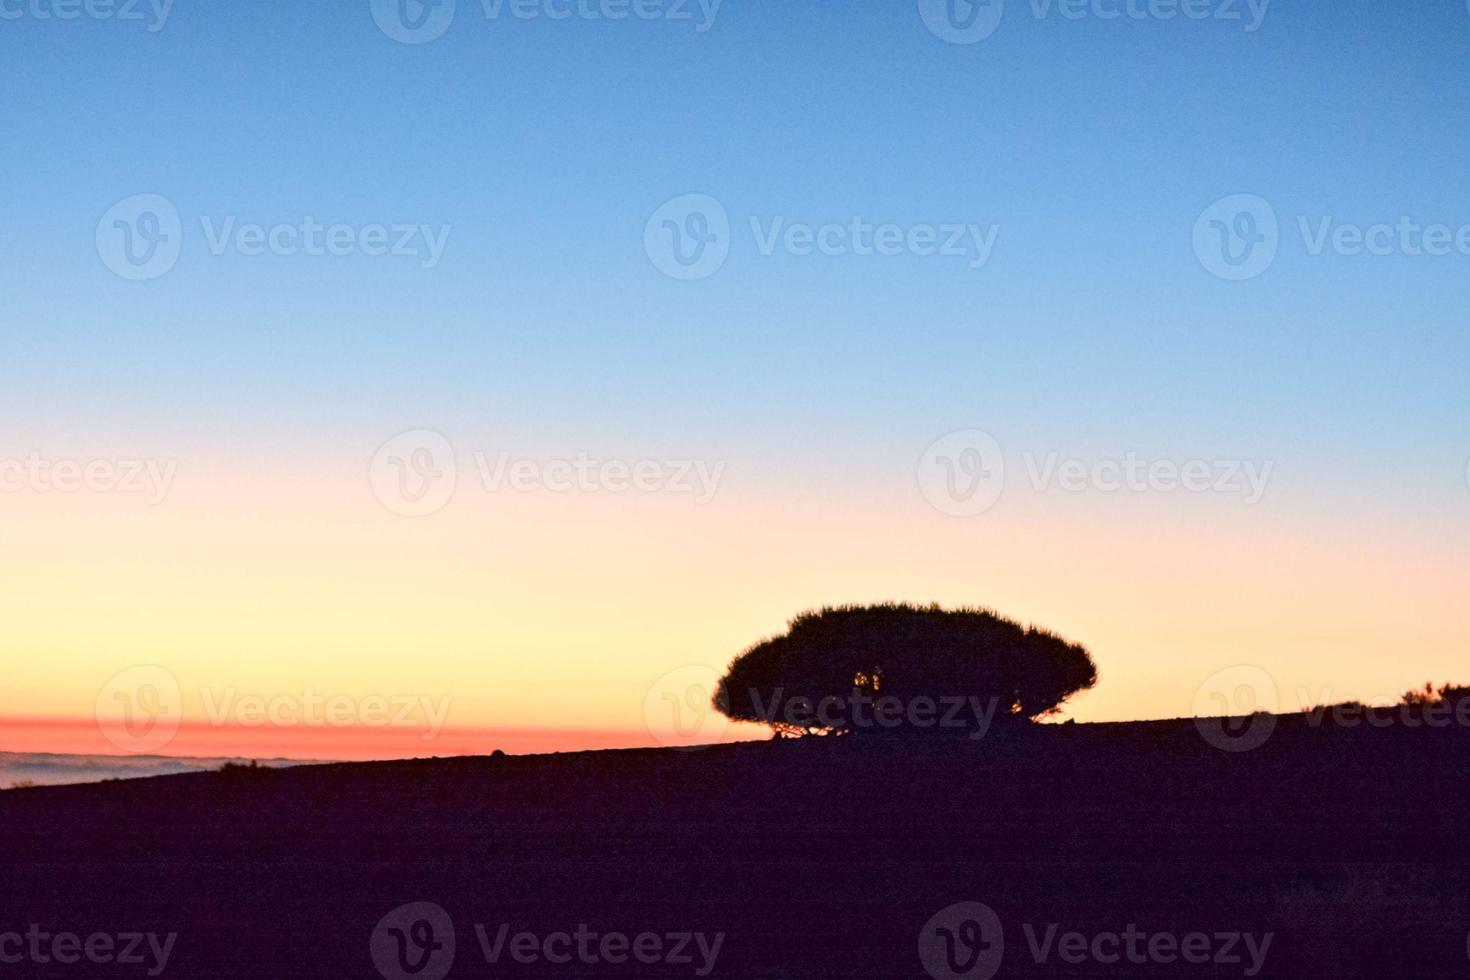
(815, 858)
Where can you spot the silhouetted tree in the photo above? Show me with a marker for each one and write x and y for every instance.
(903, 668)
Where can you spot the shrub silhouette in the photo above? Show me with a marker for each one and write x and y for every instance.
(1430, 705)
(1448, 694)
(903, 668)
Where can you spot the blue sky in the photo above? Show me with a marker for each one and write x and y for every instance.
(1093, 145)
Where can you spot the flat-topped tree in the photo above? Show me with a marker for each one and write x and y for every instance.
(899, 668)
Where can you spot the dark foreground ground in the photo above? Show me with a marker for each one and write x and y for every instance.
(820, 858)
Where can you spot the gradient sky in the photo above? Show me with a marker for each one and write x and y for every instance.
(819, 381)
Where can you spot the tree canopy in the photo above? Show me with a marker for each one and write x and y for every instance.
(903, 668)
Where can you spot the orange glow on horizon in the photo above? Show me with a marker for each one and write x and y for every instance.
(62, 736)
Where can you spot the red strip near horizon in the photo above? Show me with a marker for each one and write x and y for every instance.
(326, 743)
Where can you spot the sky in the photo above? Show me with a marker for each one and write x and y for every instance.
(1156, 351)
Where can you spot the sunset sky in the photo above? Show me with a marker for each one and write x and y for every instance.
(809, 388)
